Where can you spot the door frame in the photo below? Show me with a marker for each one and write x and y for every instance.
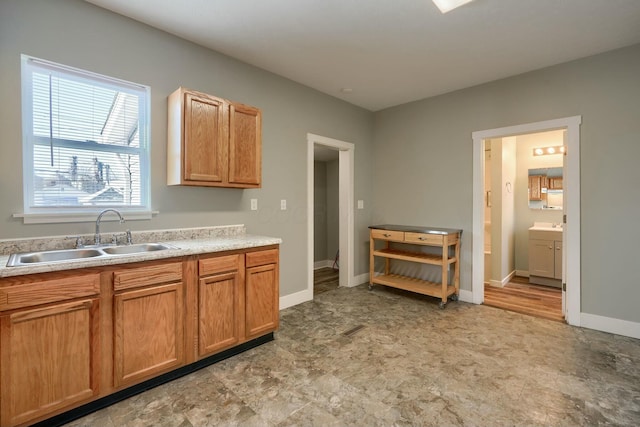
(345, 206)
(571, 183)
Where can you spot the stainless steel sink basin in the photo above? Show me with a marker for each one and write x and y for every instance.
(136, 248)
(31, 258)
(51, 256)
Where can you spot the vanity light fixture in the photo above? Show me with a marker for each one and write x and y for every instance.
(448, 5)
(543, 151)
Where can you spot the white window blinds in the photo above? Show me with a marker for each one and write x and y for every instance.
(85, 140)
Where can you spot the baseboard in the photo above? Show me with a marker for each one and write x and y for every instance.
(322, 264)
(465, 296)
(522, 273)
(295, 298)
(611, 325)
(360, 279)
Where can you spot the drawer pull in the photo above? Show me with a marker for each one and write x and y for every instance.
(422, 238)
(386, 235)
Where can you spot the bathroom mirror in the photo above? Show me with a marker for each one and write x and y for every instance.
(545, 188)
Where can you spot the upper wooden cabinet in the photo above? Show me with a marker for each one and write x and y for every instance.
(213, 142)
(535, 187)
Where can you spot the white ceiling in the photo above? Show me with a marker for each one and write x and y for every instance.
(392, 52)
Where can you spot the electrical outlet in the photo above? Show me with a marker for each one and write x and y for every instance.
(254, 204)
(360, 204)
(283, 205)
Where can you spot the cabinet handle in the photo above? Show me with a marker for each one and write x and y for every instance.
(386, 235)
(550, 247)
(558, 248)
(422, 238)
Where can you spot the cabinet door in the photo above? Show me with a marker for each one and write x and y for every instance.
(205, 138)
(555, 183)
(261, 300)
(558, 259)
(541, 258)
(50, 359)
(245, 145)
(220, 312)
(148, 329)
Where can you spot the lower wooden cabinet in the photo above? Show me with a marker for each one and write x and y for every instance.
(148, 327)
(262, 293)
(220, 303)
(50, 359)
(71, 337)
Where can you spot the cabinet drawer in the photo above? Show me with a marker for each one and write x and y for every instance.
(149, 275)
(220, 264)
(397, 236)
(46, 291)
(423, 238)
(262, 258)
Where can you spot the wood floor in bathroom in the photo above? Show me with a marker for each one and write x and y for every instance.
(522, 297)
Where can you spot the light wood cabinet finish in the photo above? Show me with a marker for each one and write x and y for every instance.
(555, 183)
(213, 142)
(68, 338)
(444, 259)
(148, 326)
(221, 307)
(50, 360)
(535, 187)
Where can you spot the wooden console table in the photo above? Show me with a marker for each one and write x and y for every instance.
(416, 236)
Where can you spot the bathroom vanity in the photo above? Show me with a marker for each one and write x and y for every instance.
(545, 255)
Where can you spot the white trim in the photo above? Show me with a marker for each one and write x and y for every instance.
(322, 264)
(572, 207)
(465, 296)
(502, 283)
(361, 279)
(290, 300)
(611, 325)
(53, 218)
(346, 214)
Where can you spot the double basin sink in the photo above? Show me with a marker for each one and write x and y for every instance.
(33, 258)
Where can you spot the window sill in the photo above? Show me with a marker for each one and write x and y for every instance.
(53, 218)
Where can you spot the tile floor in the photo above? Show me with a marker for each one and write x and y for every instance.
(410, 364)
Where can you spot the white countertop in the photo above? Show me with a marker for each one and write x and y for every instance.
(183, 248)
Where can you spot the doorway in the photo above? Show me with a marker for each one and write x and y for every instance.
(571, 234)
(345, 151)
(508, 260)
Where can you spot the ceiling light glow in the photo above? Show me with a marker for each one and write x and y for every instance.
(448, 5)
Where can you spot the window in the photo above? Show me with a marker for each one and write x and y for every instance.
(85, 143)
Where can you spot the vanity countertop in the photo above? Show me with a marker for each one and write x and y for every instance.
(185, 241)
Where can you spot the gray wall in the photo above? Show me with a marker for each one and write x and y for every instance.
(81, 35)
(423, 163)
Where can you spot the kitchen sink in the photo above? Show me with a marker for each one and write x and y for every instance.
(136, 248)
(31, 258)
(51, 256)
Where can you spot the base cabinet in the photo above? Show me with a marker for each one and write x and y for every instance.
(220, 303)
(545, 257)
(50, 359)
(69, 338)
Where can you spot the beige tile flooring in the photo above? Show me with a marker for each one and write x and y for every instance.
(408, 363)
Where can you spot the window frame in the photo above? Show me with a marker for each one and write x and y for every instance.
(53, 214)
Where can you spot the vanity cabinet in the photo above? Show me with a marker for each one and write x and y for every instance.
(545, 257)
(213, 142)
(148, 321)
(447, 242)
(49, 345)
(220, 303)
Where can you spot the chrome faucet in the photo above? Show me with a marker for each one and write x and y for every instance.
(97, 236)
